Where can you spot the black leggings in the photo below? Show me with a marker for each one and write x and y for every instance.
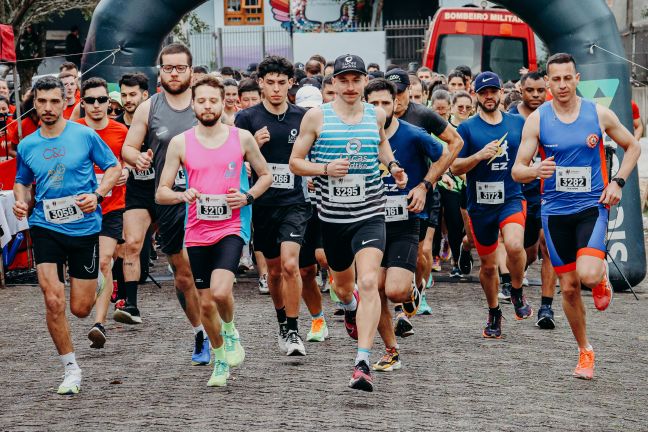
(451, 215)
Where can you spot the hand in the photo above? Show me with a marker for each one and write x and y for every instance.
(235, 199)
(399, 176)
(248, 169)
(189, 196)
(448, 181)
(121, 181)
(87, 202)
(262, 136)
(310, 184)
(20, 209)
(546, 168)
(338, 168)
(488, 151)
(523, 71)
(144, 160)
(417, 198)
(611, 194)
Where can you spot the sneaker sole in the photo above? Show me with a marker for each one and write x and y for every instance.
(485, 336)
(390, 368)
(424, 312)
(296, 353)
(69, 392)
(361, 384)
(546, 323)
(217, 384)
(126, 318)
(520, 318)
(236, 364)
(403, 331)
(582, 376)
(97, 338)
(313, 338)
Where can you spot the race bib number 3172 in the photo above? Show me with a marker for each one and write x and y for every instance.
(490, 192)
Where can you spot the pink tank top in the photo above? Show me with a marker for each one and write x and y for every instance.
(212, 172)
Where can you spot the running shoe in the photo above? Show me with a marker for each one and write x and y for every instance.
(424, 307)
(101, 284)
(455, 273)
(403, 327)
(97, 336)
(585, 367)
(318, 279)
(234, 352)
(411, 307)
(361, 378)
(71, 382)
(282, 337)
(390, 361)
(546, 318)
(430, 282)
(201, 355)
(350, 319)
(220, 374)
(522, 308)
(504, 295)
(436, 264)
(465, 261)
(445, 249)
(603, 292)
(319, 330)
(113, 296)
(126, 313)
(525, 281)
(493, 329)
(325, 286)
(263, 284)
(294, 344)
(335, 299)
(245, 264)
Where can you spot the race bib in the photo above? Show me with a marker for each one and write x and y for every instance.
(490, 192)
(574, 179)
(282, 177)
(148, 174)
(62, 210)
(213, 208)
(99, 178)
(396, 208)
(180, 179)
(347, 189)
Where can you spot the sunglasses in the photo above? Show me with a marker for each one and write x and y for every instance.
(91, 100)
(463, 107)
(116, 111)
(179, 68)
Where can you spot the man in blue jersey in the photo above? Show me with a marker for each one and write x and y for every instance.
(495, 201)
(576, 193)
(66, 219)
(346, 141)
(404, 211)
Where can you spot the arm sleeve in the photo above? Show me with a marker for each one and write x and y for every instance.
(429, 145)
(465, 136)
(100, 153)
(24, 174)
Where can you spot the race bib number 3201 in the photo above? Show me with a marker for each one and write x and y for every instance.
(282, 177)
(62, 210)
(148, 174)
(490, 192)
(347, 189)
(213, 208)
(573, 179)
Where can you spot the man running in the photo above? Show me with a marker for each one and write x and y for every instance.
(134, 90)
(218, 216)
(59, 158)
(95, 102)
(346, 139)
(281, 215)
(404, 211)
(576, 195)
(155, 122)
(495, 201)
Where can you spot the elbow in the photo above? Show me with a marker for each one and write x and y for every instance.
(293, 164)
(457, 169)
(515, 173)
(456, 145)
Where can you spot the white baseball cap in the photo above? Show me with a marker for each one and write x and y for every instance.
(308, 97)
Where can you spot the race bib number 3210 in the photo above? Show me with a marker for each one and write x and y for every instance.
(213, 208)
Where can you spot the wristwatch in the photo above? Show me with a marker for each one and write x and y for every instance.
(100, 197)
(619, 181)
(427, 184)
(249, 198)
(392, 163)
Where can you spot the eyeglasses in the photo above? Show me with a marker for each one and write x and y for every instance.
(116, 111)
(91, 100)
(463, 107)
(179, 68)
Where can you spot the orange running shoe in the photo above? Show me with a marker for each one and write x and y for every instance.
(585, 367)
(603, 292)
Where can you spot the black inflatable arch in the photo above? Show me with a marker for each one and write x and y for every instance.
(139, 27)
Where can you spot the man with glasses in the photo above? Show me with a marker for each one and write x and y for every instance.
(156, 121)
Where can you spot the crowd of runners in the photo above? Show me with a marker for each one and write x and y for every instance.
(336, 177)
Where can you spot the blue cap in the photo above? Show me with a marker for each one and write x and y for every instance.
(487, 79)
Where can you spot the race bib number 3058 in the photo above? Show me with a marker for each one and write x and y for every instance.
(62, 210)
(490, 192)
(213, 208)
(574, 179)
(347, 189)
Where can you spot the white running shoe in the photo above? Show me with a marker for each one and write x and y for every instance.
(263, 284)
(282, 337)
(245, 264)
(71, 382)
(294, 344)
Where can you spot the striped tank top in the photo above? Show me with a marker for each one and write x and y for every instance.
(212, 171)
(358, 195)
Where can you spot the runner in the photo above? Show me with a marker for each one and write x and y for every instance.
(95, 100)
(134, 90)
(66, 218)
(231, 101)
(155, 122)
(281, 215)
(350, 198)
(70, 82)
(404, 210)
(218, 215)
(495, 201)
(576, 195)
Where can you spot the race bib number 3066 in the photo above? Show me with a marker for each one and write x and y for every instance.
(62, 210)
(213, 208)
(347, 189)
(573, 179)
(282, 177)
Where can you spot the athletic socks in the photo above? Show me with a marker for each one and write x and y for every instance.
(316, 316)
(516, 293)
(199, 329)
(505, 278)
(281, 315)
(69, 361)
(228, 327)
(546, 301)
(292, 323)
(363, 355)
(118, 276)
(495, 311)
(219, 353)
(131, 292)
(350, 307)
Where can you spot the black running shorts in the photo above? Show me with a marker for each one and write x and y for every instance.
(171, 227)
(81, 254)
(112, 225)
(342, 241)
(275, 225)
(140, 194)
(401, 248)
(312, 241)
(223, 255)
(533, 225)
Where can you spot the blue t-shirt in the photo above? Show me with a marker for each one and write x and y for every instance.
(64, 166)
(489, 175)
(412, 147)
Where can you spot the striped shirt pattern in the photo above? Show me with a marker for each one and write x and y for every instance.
(358, 143)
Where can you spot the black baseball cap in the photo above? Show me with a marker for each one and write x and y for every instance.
(398, 77)
(349, 63)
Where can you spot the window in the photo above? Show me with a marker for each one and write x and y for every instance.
(455, 50)
(505, 57)
(243, 12)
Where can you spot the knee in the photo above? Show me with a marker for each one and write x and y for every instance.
(397, 292)
(105, 264)
(514, 248)
(367, 281)
(55, 303)
(80, 310)
(426, 249)
(274, 273)
(308, 273)
(590, 276)
(131, 246)
(183, 280)
(207, 305)
(290, 267)
(489, 270)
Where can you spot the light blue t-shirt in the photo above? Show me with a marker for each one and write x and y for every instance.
(64, 166)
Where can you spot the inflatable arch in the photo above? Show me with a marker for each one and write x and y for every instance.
(139, 27)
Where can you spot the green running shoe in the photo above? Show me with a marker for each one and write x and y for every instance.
(424, 307)
(234, 352)
(220, 374)
(334, 297)
(319, 330)
(71, 382)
